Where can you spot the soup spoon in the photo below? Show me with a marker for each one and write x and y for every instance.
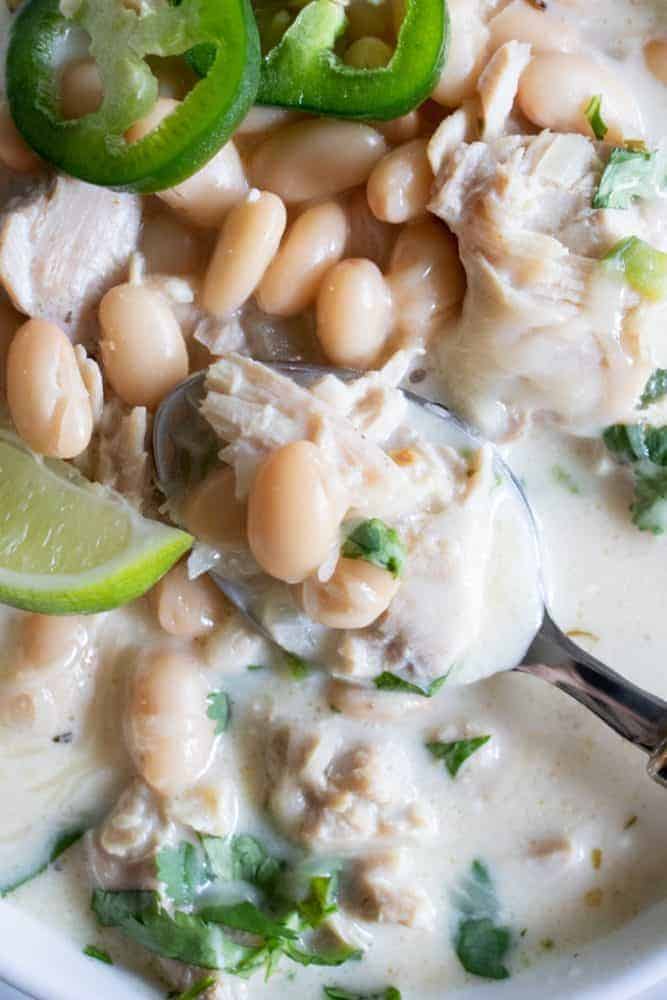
(183, 443)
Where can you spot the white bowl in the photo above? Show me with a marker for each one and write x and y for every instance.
(46, 965)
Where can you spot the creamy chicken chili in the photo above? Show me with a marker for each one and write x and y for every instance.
(379, 808)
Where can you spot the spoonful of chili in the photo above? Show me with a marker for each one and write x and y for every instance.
(185, 446)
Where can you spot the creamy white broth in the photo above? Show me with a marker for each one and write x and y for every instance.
(551, 788)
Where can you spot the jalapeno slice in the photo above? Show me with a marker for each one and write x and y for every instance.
(303, 71)
(93, 148)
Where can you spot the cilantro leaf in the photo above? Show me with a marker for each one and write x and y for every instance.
(338, 993)
(61, 844)
(481, 947)
(629, 174)
(219, 710)
(377, 543)
(642, 266)
(92, 951)
(480, 942)
(182, 936)
(321, 901)
(593, 113)
(645, 447)
(183, 871)
(655, 388)
(649, 508)
(456, 752)
(242, 859)
(197, 988)
(386, 681)
(245, 916)
(199, 936)
(337, 956)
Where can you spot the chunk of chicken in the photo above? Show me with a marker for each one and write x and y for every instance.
(63, 246)
(327, 794)
(117, 455)
(544, 328)
(383, 890)
(256, 410)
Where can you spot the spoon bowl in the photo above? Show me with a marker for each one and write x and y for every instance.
(184, 447)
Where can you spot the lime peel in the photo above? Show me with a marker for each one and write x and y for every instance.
(70, 546)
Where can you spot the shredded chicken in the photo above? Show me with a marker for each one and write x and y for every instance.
(544, 327)
(118, 454)
(383, 890)
(330, 794)
(63, 246)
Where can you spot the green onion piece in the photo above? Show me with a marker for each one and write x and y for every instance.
(643, 267)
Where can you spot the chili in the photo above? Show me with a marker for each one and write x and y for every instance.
(93, 148)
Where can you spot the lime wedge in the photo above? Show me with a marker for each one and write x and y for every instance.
(68, 545)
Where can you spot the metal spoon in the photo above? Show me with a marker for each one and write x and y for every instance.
(183, 441)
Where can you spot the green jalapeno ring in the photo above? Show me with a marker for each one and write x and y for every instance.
(93, 148)
(302, 70)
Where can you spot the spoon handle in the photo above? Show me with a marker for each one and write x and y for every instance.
(635, 714)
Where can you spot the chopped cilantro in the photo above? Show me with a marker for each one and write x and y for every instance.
(655, 388)
(645, 448)
(593, 113)
(92, 951)
(386, 681)
(596, 858)
(377, 543)
(548, 944)
(256, 666)
(321, 900)
(183, 871)
(642, 266)
(565, 479)
(457, 752)
(200, 935)
(480, 942)
(197, 988)
(629, 174)
(219, 710)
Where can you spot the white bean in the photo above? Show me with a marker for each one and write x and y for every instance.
(556, 87)
(293, 512)
(426, 277)
(316, 159)
(354, 597)
(187, 608)
(523, 22)
(247, 244)
(466, 58)
(205, 198)
(314, 242)
(143, 349)
(354, 314)
(47, 398)
(169, 735)
(398, 189)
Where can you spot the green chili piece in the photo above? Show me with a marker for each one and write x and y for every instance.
(303, 71)
(93, 148)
